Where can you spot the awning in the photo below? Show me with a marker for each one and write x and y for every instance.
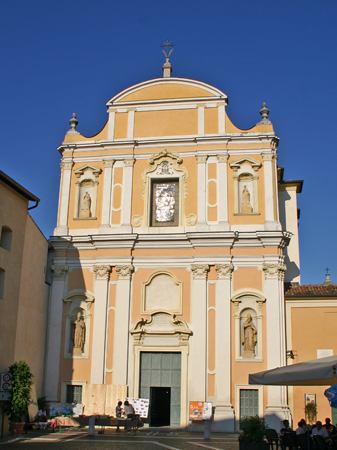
(318, 372)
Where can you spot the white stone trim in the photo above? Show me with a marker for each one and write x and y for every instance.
(131, 123)
(201, 120)
(62, 228)
(111, 125)
(107, 194)
(221, 119)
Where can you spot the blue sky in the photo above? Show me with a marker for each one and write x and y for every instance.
(60, 57)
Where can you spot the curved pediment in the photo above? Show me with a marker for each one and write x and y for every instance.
(161, 324)
(167, 89)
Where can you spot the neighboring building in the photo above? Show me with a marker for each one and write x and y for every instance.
(169, 255)
(311, 318)
(23, 290)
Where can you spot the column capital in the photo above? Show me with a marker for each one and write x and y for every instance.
(201, 159)
(108, 164)
(199, 271)
(224, 271)
(222, 158)
(59, 272)
(102, 272)
(129, 162)
(67, 165)
(274, 270)
(268, 156)
(124, 272)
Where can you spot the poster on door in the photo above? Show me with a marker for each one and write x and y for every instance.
(200, 411)
(140, 405)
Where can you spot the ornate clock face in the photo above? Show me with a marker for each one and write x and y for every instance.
(165, 202)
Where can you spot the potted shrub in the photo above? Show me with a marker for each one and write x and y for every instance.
(20, 389)
(253, 433)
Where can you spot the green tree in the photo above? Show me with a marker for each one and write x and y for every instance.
(20, 388)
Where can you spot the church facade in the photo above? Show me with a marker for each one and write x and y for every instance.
(174, 232)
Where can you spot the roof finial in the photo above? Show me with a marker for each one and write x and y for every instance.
(264, 113)
(327, 277)
(167, 68)
(73, 124)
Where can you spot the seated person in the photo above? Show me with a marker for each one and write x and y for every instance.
(301, 429)
(286, 428)
(319, 430)
(128, 409)
(119, 411)
(331, 429)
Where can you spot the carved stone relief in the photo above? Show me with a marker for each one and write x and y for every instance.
(199, 271)
(59, 272)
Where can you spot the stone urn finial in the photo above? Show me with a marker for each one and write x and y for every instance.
(73, 124)
(264, 111)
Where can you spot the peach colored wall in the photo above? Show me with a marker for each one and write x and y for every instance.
(13, 214)
(211, 385)
(33, 304)
(166, 91)
(111, 327)
(80, 279)
(142, 275)
(121, 125)
(166, 123)
(211, 120)
(306, 339)
(246, 278)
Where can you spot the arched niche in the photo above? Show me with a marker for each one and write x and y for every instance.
(248, 302)
(78, 301)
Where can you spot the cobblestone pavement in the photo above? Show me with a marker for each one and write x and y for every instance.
(145, 439)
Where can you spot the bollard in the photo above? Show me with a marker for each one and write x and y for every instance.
(91, 425)
(207, 432)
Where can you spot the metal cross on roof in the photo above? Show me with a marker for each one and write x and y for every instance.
(327, 271)
(167, 44)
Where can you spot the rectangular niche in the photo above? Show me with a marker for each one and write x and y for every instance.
(162, 291)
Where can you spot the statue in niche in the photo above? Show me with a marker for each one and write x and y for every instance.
(248, 337)
(79, 335)
(86, 207)
(246, 207)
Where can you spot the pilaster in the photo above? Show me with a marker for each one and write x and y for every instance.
(223, 191)
(270, 195)
(201, 120)
(201, 224)
(54, 337)
(277, 408)
(62, 227)
(102, 274)
(127, 196)
(106, 204)
(121, 327)
(199, 320)
(224, 412)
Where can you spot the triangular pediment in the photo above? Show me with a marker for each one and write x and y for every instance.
(245, 160)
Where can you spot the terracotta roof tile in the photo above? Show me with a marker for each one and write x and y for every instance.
(312, 290)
